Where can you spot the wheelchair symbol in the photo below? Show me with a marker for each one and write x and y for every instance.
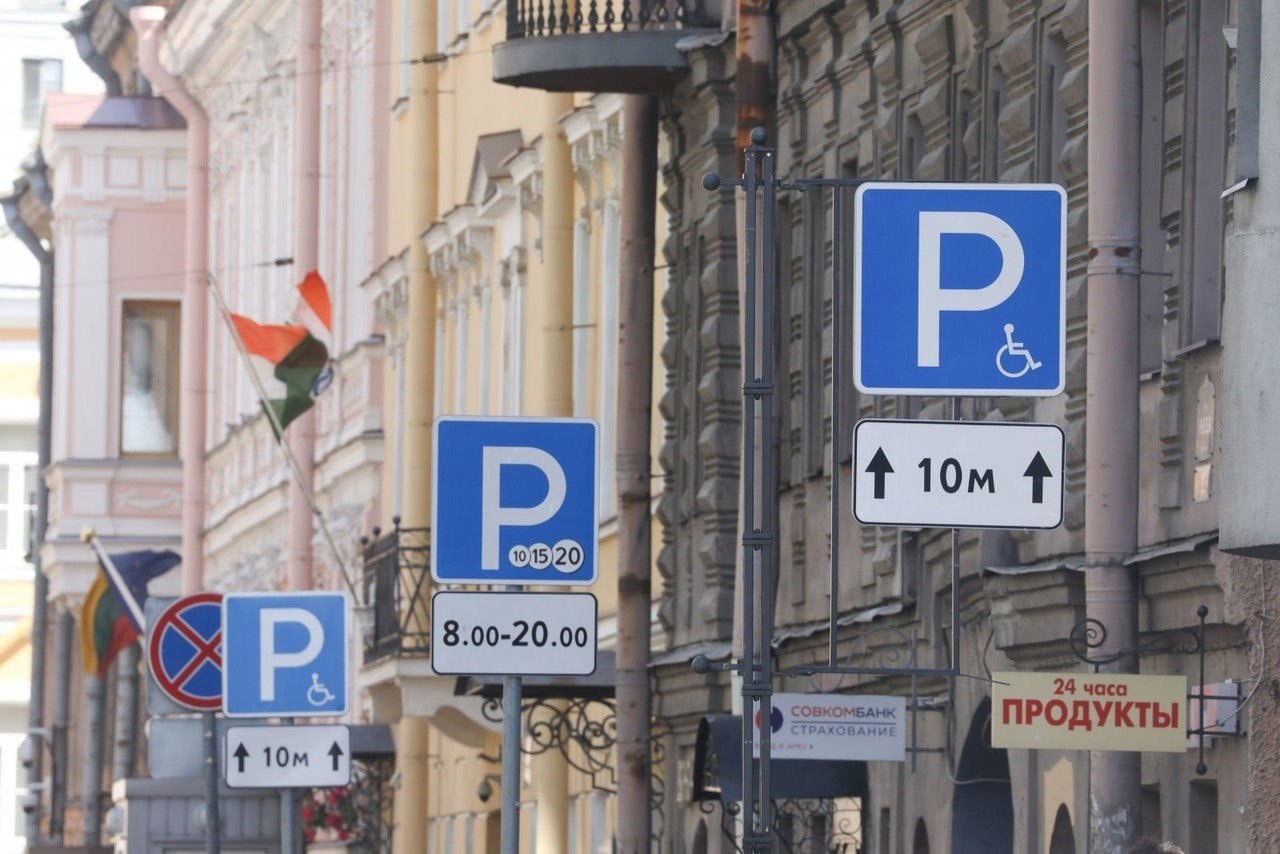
(318, 694)
(1013, 349)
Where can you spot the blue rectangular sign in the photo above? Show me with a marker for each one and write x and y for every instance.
(285, 654)
(960, 289)
(515, 501)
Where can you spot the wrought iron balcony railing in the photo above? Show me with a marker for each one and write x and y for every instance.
(397, 576)
(600, 45)
(532, 18)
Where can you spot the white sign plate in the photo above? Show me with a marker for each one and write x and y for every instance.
(836, 726)
(268, 757)
(957, 474)
(513, 634)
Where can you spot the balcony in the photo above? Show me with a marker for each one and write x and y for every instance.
(397, 677)
(396, 587)
(600, 45)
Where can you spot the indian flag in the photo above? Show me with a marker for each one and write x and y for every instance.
(292, 361)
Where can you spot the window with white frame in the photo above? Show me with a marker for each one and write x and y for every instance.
(512, 339)
(609, 362)
(581, 307)
(39, 77)
(149, 378)
(17, 505)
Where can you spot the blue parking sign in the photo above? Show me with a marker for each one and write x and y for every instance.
(960, 289)
(515, 501)
(285, 654)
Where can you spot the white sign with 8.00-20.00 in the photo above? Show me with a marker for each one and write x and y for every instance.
(513, 634)
(836, 726)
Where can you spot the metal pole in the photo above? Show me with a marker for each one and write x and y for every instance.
(39, 185)
(126, 723)
(95, 701)
(634, 415)
(837, 425)
(511, 691)
(748, 669)
(768, 482)
(1111, 417)
(290, 831)
(212, 809)
(62, 640)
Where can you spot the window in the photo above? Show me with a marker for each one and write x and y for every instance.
(17, 503)
(149, 381)
(39, 77)
(608, 381)
(994, 150)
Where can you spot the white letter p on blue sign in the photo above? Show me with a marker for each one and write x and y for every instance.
(494, 515)
(515, 501)
(960, 289)
(285, 654)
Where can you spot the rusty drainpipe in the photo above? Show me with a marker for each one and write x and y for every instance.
(148, 21)
(1111, 420)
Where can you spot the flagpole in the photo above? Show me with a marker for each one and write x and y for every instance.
(87, 535)
(278, 429)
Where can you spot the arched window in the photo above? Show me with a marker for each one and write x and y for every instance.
(1063, 840)
(920, 840)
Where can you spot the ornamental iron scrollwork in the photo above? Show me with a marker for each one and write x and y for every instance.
(802, 825)
(585, 732)
(1090, 634)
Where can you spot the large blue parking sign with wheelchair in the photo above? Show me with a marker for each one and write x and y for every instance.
(960, 289)
(515, 501)
(285, 654)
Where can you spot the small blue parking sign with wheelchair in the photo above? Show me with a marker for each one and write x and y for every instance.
(285, 654)
(960, 289)
(515, 501)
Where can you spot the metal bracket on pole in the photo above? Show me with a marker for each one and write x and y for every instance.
(1089, 634)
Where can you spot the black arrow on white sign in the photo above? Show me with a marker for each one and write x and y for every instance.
(879, 466)
(240, 754)
(1038, 470)
(335, 752)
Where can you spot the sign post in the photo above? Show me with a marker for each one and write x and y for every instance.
(523, 508)
(184, 648)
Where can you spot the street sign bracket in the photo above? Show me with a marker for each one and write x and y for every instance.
(1089, 633)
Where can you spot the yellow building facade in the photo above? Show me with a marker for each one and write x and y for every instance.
(500, 297)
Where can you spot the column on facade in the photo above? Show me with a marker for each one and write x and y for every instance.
(422, 173)
(555, 348)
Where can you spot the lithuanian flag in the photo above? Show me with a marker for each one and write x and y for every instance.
(106, 624)
(292, 361)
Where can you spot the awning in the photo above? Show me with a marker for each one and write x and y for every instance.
(717, 768)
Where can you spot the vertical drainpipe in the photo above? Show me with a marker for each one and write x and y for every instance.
(634, 466)
(147, 22)
(554, 345)
(422, 155)
(63, 633)
(37, 181)
(306, 257)
(1111, 421)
